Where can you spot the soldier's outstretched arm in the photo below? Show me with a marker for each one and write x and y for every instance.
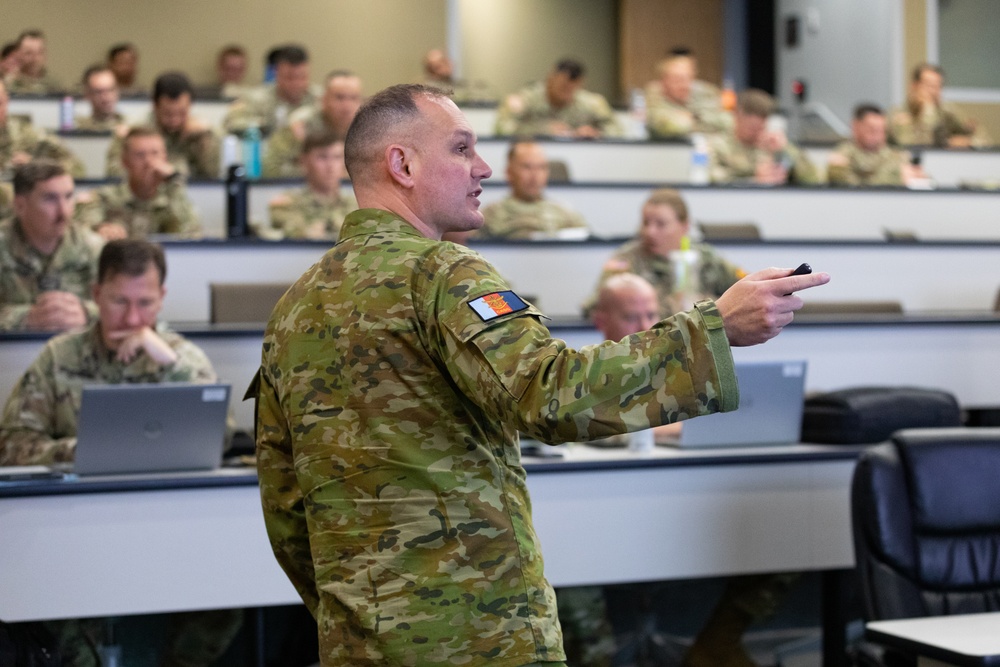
(757, 307)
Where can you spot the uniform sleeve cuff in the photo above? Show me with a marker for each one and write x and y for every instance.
(718, 343)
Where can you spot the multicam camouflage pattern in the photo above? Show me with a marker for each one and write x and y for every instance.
(169, 212)
(528, 114)
(18, 136)
(45, 84)
(731, 161)
(932, 127)
(25, 273)
(39, 420)
(194, 155)
(716, 274)
(91, 124)
(512, 218)
(260, 107)
(387, 449)
(666, 119)
(302, 214)
(6, 199)
(281, 159)
(850, 164)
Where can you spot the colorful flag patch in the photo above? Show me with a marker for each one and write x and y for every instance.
(494, 305)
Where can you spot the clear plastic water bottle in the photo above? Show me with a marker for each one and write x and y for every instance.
(252, 152)
(687, 276)
(66, 119)
(698, 174)
(642, 442)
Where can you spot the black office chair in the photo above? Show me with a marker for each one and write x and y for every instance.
(926, 516)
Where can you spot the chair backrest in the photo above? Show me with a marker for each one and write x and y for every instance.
(558, 171)
(244, 302)
(850, 307)
(729, 231)
(926, 515)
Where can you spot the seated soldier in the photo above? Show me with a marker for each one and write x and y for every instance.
(439, 73)
(101, 90)
(557, 107)
(674, 111)
(867, 159)
(753, 153)
(270, 107)
(316, 211)
(231, 71)
(48, 264)
(124, 345)
(526, 214)
(6, 200)
(10, 61)
(151, 200)
(33, 77)
(21, 143)
(341, 100)
(926, 120)
(192, 146)
(665, 224)
(123, 61)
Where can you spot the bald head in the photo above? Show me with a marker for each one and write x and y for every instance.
(626, 304)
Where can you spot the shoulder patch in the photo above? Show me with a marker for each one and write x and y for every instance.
(493, 305)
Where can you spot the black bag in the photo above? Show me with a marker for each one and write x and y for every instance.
(872, 414)
(28, 645)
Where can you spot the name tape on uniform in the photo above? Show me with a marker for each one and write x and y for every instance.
(492, 306)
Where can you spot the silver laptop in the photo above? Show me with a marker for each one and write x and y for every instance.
(770, 412)
(145, 428)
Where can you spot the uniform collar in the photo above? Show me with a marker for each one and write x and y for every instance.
(368, 221)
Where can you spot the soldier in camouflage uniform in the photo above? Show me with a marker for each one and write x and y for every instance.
(525, 213)
(341, 100)
(665, 223)
(557, 107)
(438, 73)
(101, 90)
(151, 200)
(868, 159)
(270, 107)
(928, 121)
(395, 376)
(316, 211)
(753, 154)
(6, 200)
(33, 78)
(125, 345)
(21, 143)
(48, 264)
(674, 111)
(192, 147)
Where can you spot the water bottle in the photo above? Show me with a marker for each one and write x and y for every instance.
(637, 115)
(642, 442)
(252, 152)
(698, 174)
(66, 120)
(230, 152)
(687, 278)
(236, 202)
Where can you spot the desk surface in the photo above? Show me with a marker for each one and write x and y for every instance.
(963, 639)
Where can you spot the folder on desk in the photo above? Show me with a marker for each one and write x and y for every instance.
(770, 412)
(146, 428)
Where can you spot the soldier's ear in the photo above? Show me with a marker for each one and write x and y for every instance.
(398, 160)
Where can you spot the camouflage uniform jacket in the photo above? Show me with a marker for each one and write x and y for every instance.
(851, 165)
(18, 136)
(34, 85)
(528, 113)
(195, 155)
(6, 199)
(260, 107)
(281, 159)
(91, 124)
(390, 474)
(25, 273)
(666, 119)
(512, 218)
(932, 128)
(169, 212)
(730, 161)
(715, 274)
(39, 420)
(301, 214)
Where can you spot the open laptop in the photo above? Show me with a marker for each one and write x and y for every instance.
(146, 428)
(770, 412)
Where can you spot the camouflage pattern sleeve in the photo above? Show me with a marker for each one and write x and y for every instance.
(604, 118)
(281, 159)
(29, 429)
(113, 167)
(803, 171)
(838, 168)
(204, 151)
(177, 215)
(13, 315)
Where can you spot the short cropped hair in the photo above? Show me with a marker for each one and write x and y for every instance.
(384, 111)
(612, 287)
(30, 174)
(92, 70)
(318, 139)
(231, 50)
(293, 54)
(33, 33)
(172, 85)
(755, 102)
(123, 47)
(8, 48)
(338, 74)
(573, 69)
(517, 143)
(924, 67)
(672, 198)
(866, 108)
(131, 257)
